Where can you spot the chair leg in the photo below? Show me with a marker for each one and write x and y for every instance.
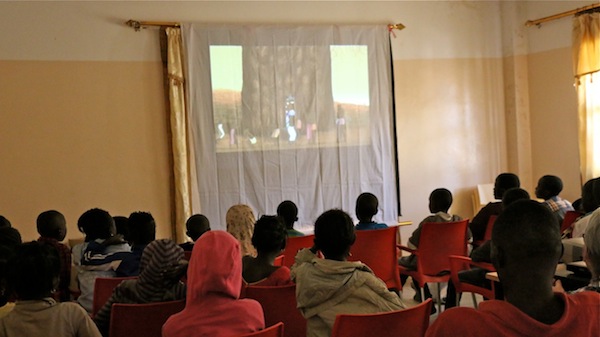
(474, 300)
(439, 293)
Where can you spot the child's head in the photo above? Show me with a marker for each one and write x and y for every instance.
(289, 212)
(96, 224)
(548, 186)
(33, 271)
(142, 228)
(269, 235)
(514, 194)
(9, 237)
(4, 222)
(334, 234)
(440, 200)
(588, 200)
(503, 182)
(52, 224)
(197, 225)
(122, 226)
(366, 207)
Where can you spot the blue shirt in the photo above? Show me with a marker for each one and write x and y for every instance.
(370, 225)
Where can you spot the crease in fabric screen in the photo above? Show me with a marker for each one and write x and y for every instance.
(278, 111)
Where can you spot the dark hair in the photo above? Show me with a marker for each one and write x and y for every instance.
(122, 226)
(142, 228)
(4, 222)
(440, 200)
(197, 225)
(269, 234)
(289, 212)
(52, 224)
(9, 237)
(503, 182)
(588, 200)
(514, 194)
(527, 230)
(33, 271)
(334, 233)
(548, 186)
(96, 223)
(5, 255)
(366, 206)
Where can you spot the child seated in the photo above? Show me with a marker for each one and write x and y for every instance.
(142, 231)
(269, 240)
(331, 286)
(52, 227)
(100, 255)
(548, 188)
(161, 268)
(289, 212)
(33, 274)
(10, 238)
(195, 226)
(240, 223)
(366, 208)
(213, 306)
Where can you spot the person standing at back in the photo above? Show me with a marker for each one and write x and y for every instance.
(526, 248)
(548, 188)
(52, 227)
(366, 208)
(503, 182)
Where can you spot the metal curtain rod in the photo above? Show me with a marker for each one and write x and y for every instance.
(560, 15)
(137, 25)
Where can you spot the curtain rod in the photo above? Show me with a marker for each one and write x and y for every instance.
(137, 25)
(560, 15)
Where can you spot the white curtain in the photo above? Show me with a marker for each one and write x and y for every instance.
(301, 113)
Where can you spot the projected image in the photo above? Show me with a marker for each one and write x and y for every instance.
(289, 97)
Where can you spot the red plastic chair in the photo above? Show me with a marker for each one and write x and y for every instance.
(412, 322)
(103, 289)
(568, 220)
(293, 245)
(377, 249)
(141, 320)
(488, 231)
(279, 260)
(438, 241)
(460, 263)
(279, 305)
(272, 331)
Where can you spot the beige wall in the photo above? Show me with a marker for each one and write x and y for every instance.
(78, 135)
(81, 103)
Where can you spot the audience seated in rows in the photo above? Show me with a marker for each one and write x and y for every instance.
(503, 182)
(330, 286)
(142, 231)
(526, 247)
(214, 282)
(366, 207)
(548, 188)
(161, 267)
(476, 276)
(195, 226)
(100, 255)
(440, 201)
(52, 227)
(32, 274)
(289, 212)
(590, 201)
(269, 240)
(240, 223)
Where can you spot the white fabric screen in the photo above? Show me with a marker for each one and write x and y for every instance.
(301, 113)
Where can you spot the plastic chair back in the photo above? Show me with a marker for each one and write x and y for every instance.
(412, 322)
(103, 289)
(279, 305)
(568, 220)
(279, 260)
(272, 331)
(438, 241)
(460, 263)
(293, 245)
(377, 249)
(488, 229)
(141, 320)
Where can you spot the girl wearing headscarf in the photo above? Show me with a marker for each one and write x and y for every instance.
(213, 307)
(240, 223)
(161, 267)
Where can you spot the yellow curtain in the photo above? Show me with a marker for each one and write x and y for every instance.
(179, 132)
(586, 66)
